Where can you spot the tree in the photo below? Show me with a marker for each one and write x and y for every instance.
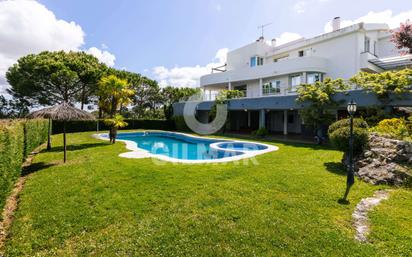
(171, 95)
(50, 78)
(147, 98)
(386, 83)
(115, 123)
(114, 93)
(403, 37)
(13, 108)
(319, 97)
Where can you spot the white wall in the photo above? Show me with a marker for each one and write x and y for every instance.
(240, 58)
(386, 48)
(337, 54)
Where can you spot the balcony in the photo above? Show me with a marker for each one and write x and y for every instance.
(294, 65)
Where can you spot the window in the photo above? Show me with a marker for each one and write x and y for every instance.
(256, 61)
(242, 88)
(281, 58)
(272, 87)
(367, 44)
(295, 81)
(252, 61)
(301, 53)
(313, 77)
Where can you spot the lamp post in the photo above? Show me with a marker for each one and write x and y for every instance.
(350, 176)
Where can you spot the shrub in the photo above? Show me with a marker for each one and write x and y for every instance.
(393, 128)
(17, 139)
(261, 132)
(339, 133)
(91, 125)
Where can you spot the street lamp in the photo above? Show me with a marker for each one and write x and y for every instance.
(350, 176)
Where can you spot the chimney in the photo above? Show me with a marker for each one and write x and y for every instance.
(274, 42)
(336, 23)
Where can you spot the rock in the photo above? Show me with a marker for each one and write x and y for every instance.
(367, 154)
(384, 161)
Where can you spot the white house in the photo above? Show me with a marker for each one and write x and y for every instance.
(269, 74)
(261, 68)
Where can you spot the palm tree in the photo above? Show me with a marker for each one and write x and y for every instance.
(115, 123)
(114, 93)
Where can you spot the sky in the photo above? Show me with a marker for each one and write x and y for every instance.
(174, 42)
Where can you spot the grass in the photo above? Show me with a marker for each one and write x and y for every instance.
(102, 205)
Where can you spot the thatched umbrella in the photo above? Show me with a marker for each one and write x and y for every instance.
(62, 112)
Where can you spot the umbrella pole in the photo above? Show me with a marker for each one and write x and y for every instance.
(48, 137)
(64, 139)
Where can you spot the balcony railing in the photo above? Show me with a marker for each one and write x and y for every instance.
(284, 92)
(293, 65)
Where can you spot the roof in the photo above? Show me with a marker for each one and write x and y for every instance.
(302, 42)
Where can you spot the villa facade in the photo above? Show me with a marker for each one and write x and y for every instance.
(269, 74)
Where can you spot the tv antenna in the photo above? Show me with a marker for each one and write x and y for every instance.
(262, 27)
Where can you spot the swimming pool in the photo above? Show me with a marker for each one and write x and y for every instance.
(180, 147)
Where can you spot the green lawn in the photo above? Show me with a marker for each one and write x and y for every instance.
(103, 205)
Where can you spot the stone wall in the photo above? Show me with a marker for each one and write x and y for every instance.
(386, 161)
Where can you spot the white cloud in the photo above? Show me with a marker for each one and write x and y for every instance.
(386, 16)
(187, 76)
(29, 27)
(103, 55)
(299, 7)
(218, 7)
(287, 37)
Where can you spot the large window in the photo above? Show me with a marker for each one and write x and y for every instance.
(313, 77)
(295, 80)
(242, 88)
(256, 61)
(367, 44)
(272, 87)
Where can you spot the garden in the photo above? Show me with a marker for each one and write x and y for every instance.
(285, 202)
(100, 204)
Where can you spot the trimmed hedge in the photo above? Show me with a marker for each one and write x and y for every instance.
(17, 139)
(91, 125)
(35, 134)
(180, 124)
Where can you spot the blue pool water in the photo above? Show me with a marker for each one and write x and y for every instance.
(177, 146)
(242, 146)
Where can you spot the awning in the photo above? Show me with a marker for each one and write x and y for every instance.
(392, 63)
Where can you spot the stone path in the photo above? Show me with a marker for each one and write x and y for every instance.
(360, 215)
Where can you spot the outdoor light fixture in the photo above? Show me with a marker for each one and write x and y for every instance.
(351, 108)
(245, 110)
(350, 180)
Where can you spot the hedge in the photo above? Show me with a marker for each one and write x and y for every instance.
(91, 125)
(17, 139)
(180, 123)
(35, 133)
